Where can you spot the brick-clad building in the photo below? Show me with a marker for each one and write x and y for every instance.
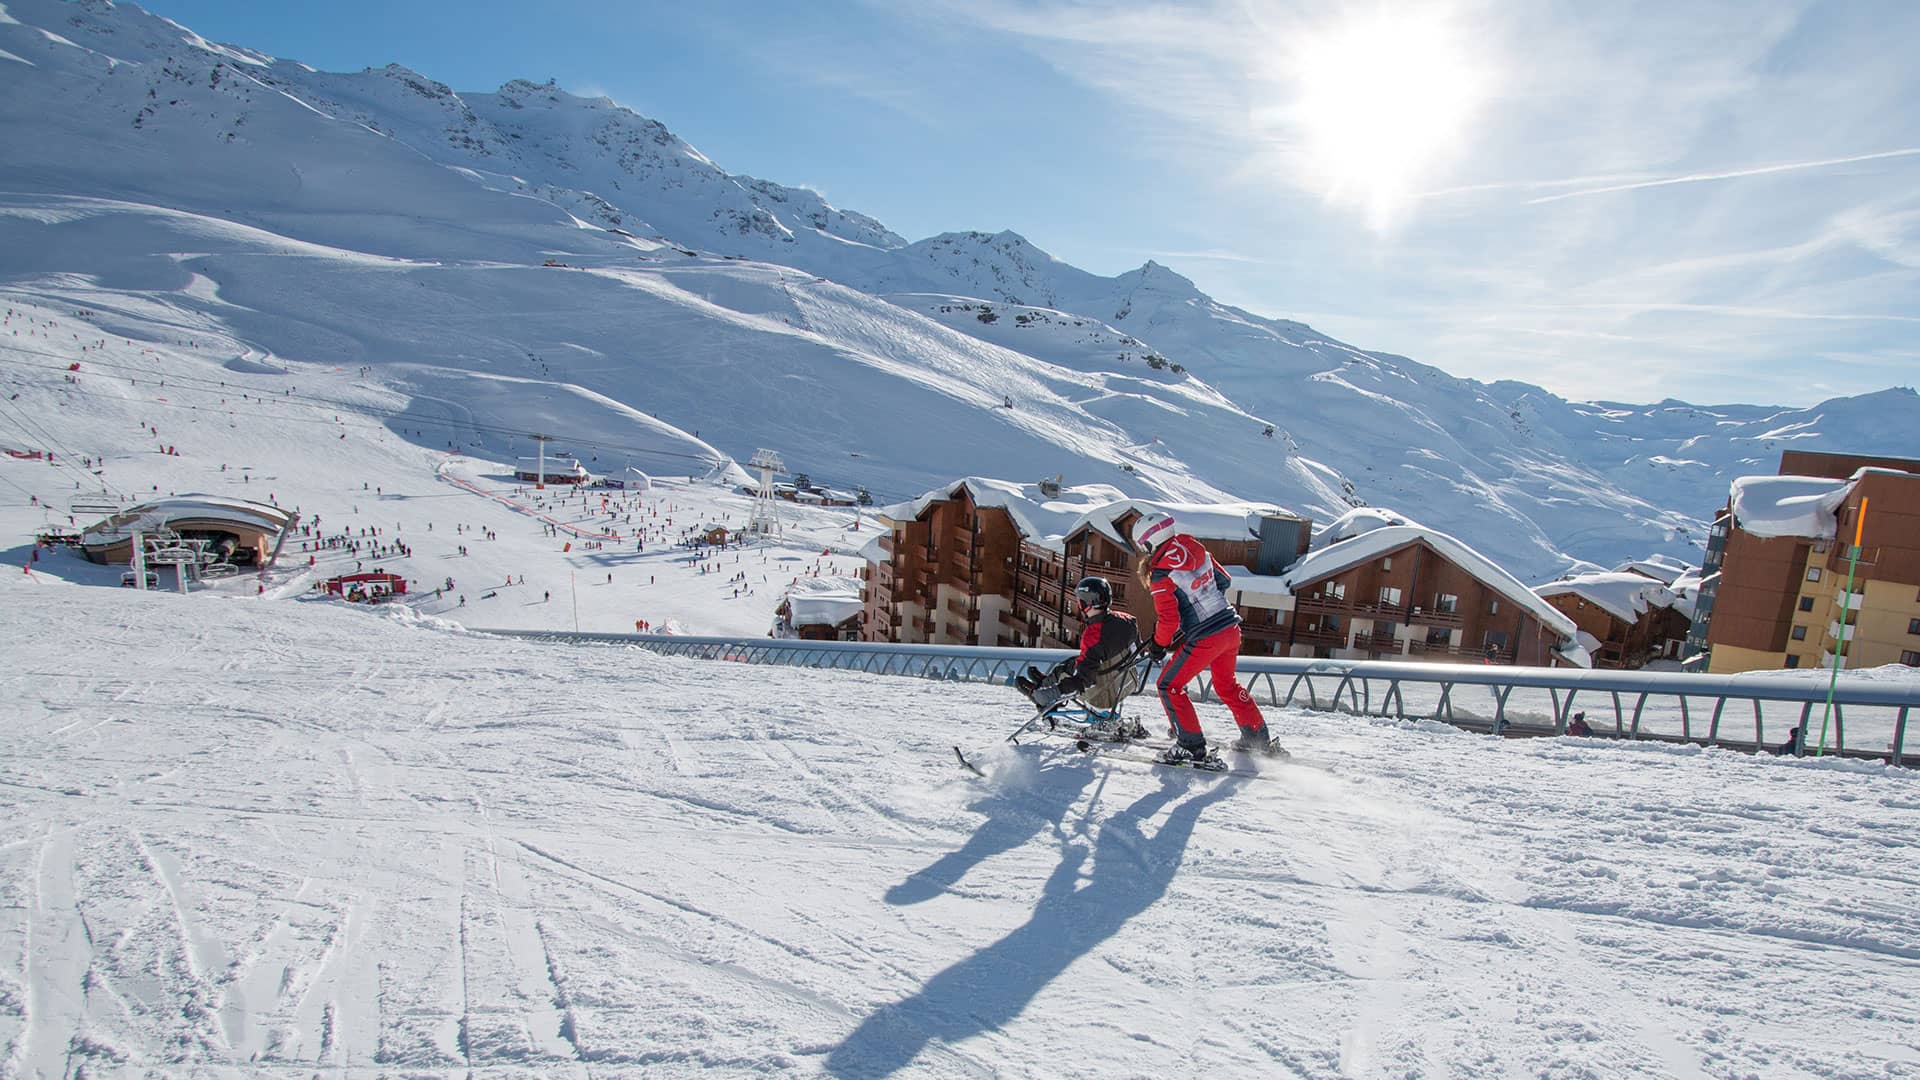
(1775, 582)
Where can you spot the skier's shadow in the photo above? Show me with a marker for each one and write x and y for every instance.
(1013, 817)
(986, 990)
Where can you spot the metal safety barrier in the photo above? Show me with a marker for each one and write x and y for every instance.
(1867, 718)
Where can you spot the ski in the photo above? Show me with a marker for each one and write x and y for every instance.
(1151, 755)
(968, 765)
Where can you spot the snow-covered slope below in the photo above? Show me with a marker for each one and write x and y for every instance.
(381, 219)
(250, 838)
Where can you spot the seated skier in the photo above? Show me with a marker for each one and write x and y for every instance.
(1101, 673)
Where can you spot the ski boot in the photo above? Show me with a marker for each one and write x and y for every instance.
(1258, 741)
(1193, 755)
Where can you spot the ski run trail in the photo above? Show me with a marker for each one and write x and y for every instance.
(247, 838)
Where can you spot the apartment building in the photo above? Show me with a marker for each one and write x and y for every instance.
(988, 562)
(1775, 588)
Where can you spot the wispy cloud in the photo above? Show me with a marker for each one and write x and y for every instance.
(1215, 255)
(1605, 222)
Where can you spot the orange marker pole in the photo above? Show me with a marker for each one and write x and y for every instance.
(1840, 646)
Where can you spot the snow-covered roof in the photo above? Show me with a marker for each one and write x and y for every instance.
(1686, 593)
(1799, 506)
(1359, 520)
(1202, 521)
(193, 505)
(823, 601)
(1048, 520)
(1377, 541)
(1038, 516)
(1658, 567)
(1622, 595)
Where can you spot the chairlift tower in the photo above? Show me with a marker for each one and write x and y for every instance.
(766, 515)
(540, 477)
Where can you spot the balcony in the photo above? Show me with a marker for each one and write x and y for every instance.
(1316, 606)
(1447, 620)
(1449, 652)
(1852, 602)
(1837, 632)
(1251, 632)
(1826, 661)
(1381, 643)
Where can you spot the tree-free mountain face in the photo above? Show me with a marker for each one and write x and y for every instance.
(380, 218)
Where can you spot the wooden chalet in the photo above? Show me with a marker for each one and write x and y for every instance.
(1626, 618)
(1400, 591)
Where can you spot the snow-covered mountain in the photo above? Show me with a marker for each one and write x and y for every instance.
(380, 219)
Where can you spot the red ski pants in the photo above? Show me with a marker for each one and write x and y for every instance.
(1216, 654)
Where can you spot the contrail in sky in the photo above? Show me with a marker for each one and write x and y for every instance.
(1728, 175)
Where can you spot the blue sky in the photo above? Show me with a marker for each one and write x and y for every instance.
(1628, 201)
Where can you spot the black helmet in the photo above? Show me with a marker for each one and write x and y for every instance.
(1094, 592)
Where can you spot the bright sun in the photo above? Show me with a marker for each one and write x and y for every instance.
(1380, 101)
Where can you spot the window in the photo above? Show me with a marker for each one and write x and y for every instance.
(1447, 604)
(1806, 603)
(1792, 660)
(1336, 591)
(1386, 563)
(1819, 547)
(1389, 596)
(1910, 658)
(1913, 626)
(1813, 573)
(1439, 635)
(1493, 607)
(1799, 633)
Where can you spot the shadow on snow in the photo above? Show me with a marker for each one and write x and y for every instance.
(1129, 872)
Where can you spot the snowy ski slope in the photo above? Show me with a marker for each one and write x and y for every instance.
(280, 839)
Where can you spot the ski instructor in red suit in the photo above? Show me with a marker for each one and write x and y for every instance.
(1190, 606)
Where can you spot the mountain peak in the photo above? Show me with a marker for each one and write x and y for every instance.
(1153, 275)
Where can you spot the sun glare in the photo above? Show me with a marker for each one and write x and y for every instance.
(1378, 102)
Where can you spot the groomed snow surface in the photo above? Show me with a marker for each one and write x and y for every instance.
(247, 837)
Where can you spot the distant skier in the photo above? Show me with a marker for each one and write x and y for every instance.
(1099, 674)
(1190, 608)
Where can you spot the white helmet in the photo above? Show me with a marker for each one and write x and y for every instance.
(1152, 529)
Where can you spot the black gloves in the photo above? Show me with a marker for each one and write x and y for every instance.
(1156, 652)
